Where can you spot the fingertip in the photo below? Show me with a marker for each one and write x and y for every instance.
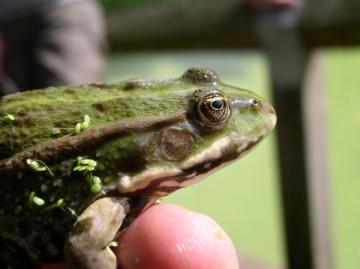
(171, 237)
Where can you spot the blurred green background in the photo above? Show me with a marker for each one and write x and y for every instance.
(244, 197)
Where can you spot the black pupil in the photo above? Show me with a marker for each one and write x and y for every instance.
(217, 104)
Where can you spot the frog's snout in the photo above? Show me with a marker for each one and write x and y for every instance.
(272, 114)
(271, 109)
(260, 108)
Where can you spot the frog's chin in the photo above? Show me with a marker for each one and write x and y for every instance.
(160, 181)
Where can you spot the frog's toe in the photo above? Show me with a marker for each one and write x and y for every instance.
(88, 241)
(90, 259)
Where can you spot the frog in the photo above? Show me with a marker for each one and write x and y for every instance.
(79, 163)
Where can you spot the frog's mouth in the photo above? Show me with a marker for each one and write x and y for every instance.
(158, 182)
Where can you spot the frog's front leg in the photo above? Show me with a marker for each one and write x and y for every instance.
(87, 244)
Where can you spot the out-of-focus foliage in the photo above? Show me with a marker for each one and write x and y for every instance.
(108, 4)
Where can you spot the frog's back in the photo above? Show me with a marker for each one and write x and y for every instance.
(42, 115)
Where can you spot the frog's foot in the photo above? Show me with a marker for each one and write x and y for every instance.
(87, 246)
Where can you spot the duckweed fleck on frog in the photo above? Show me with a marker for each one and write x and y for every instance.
(75, 157)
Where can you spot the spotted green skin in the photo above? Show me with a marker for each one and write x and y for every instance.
(37, 233)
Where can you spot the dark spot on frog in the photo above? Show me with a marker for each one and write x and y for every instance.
(101, 106)
(24, 119)
(131, 85)
(67, 123)
(69, 91)
(100, 85)
(200, 75)
(83, 226)
(113, 222)
(76, 116)
(135, 84)
(175, 143)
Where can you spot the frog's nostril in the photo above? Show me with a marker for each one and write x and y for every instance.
(255, 105)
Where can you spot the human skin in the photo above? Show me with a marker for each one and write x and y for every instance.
(172, 237)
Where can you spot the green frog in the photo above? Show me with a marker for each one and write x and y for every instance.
(79, 163)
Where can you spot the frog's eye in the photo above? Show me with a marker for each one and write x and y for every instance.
(214, 109)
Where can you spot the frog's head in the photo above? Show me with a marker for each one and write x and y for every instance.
(222, 124)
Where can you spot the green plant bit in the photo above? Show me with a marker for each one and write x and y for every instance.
(81, 126)
(87, 166)
(8, 118)
(35, 200)
(38, 166)
(58, 203)
(95, 184)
